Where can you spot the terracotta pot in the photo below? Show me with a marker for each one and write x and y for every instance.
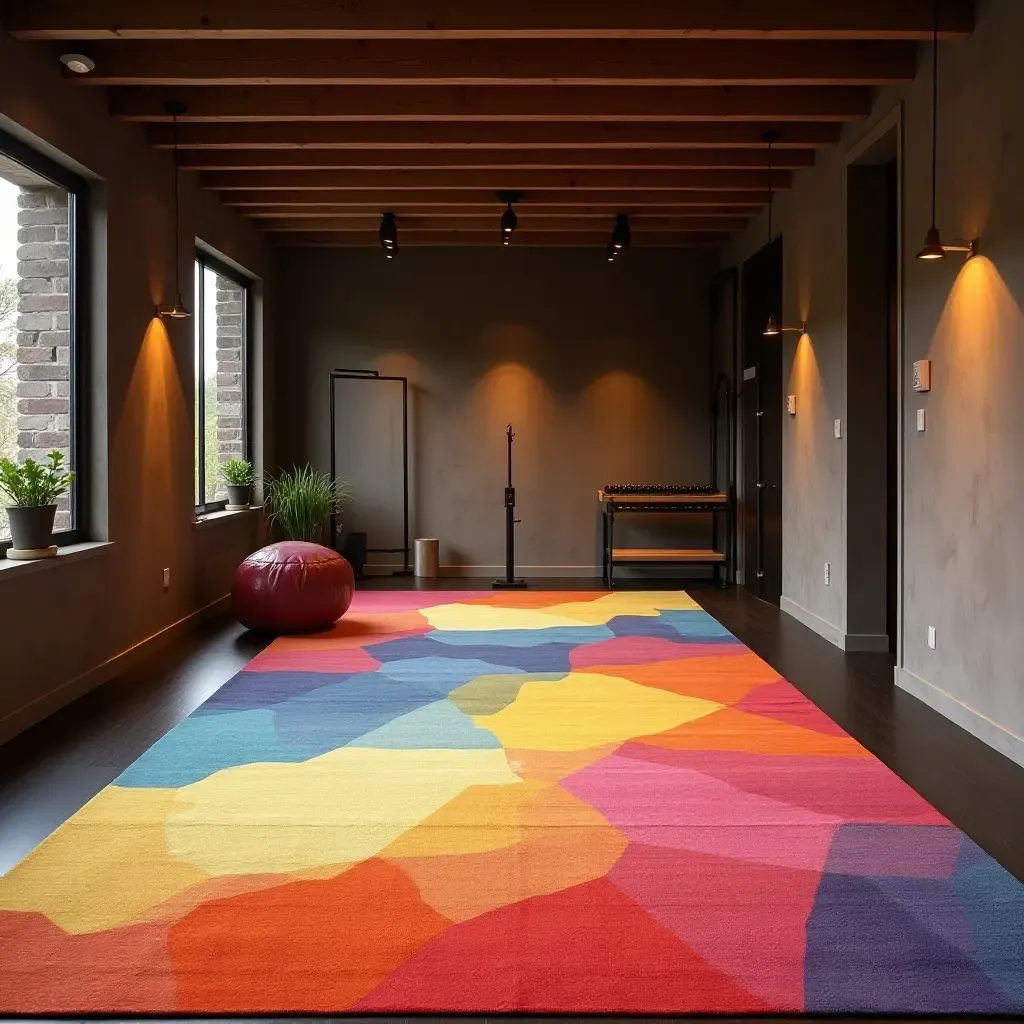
(31, 526)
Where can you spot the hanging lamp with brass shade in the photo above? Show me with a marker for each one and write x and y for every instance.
(772, 329)
(176, 310)
(934, 248)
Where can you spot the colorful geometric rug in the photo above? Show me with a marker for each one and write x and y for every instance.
(541, 802)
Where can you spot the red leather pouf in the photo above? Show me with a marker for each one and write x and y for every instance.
(292, 587)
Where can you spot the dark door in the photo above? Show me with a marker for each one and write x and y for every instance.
(893, 403)
(762, 424)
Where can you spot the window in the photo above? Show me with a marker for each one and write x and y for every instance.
(222, 381)
(42, 220)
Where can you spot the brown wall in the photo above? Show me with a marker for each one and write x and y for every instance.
(603, 370)
(58, 624)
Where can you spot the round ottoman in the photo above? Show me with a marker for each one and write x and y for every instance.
(292, 587)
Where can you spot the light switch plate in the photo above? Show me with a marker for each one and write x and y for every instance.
(931, 637)
(838, 427)
(923, 375)
(791, 405)
(921, 420)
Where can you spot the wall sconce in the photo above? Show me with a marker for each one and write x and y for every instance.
(773, 328)
(176, 310)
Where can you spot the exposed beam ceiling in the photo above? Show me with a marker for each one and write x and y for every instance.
(415, 180)
(490, 135)
(484, 19)
(480, 159)
(499, 62)
(313, 117)
(497, 103)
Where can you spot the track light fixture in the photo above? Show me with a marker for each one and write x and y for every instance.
(621, 237)
(509, 220)
(773, 328)
(389, 235)
(176, 310)
(934, 248)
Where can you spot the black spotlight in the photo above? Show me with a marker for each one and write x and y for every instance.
(389, 235)
(509, 220)
(621, 236)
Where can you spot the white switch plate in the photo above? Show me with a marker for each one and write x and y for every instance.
(931, 637)
(838, 428)
(920, 420)
(791, 405)
(828, 574)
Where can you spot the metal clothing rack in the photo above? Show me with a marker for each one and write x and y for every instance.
(374, 375)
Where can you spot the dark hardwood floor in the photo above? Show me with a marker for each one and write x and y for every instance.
(50, 771)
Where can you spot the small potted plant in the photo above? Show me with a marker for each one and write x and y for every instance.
(31, 490)
(299, 502)
(238, 476)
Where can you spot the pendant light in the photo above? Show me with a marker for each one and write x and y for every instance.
(509, 220)
(176, 310)
(622, 235)
(772, 329)
(934, 248)
(388, 235)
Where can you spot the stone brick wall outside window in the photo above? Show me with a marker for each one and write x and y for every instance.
(230, 371)
(43, 326)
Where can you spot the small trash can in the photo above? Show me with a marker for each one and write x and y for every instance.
(427, 556)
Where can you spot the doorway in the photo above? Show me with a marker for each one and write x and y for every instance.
(873, 398)
(761, 397)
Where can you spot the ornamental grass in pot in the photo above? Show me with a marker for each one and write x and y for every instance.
(30, 490)
(300, 501)
(238, 476)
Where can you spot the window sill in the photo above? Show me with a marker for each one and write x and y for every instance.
(219, 517)
(10, 570)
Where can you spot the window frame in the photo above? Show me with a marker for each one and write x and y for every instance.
(79, 312)
(205, 260)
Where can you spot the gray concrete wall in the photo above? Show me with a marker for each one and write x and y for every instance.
(59, 624)
(963, 485)
(603, 369)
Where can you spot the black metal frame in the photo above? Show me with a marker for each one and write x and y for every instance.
(79, 308)
(375, 375)
(204, 260)
(729, 276)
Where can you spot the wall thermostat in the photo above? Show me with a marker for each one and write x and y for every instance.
(791, 405)
(923, 375)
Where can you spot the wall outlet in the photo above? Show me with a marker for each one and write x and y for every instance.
(167, 578)
(837, 426)
(931, 637)
(921, 420)
(828, 574)
(791, 405)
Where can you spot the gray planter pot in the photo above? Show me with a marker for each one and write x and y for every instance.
(31, 526)
(240, 495)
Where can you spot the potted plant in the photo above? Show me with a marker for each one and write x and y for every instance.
(238, 476)
(301, 500)
(32, 489)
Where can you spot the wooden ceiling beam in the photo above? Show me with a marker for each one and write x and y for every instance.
(667, 62)
(498, 179)
(496, 103)
(527, 224)
(493, 209)
(472, 19)
(501, 135)
(555, 239)
(382, 199)
(483, 159)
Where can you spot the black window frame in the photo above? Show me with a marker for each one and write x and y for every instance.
(205, 260)
(79, 294)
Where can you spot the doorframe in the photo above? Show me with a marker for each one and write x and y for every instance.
(890, 122)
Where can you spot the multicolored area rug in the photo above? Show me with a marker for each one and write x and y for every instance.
(542, 802)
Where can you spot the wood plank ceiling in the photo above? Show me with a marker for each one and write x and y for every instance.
(314, 118)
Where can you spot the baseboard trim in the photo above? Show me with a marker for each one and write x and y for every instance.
(46, 704)
(870, 643)
(833, 634)
(984, 728)
(490, 571)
